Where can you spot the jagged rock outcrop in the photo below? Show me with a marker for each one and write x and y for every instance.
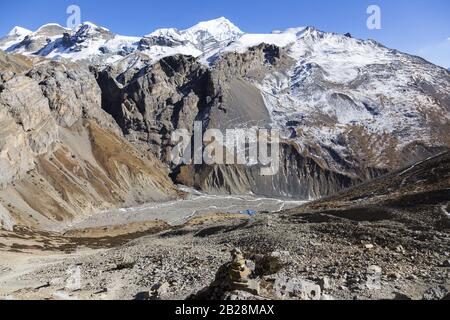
(159, 99)
(61, 155)
(241, 102)
(242, 279)
(12, 64)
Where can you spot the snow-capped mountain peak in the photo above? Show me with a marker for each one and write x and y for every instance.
(204, 39)
(212, 35)
(89, 28)
(50, 29)
(220, 29)
(19, 31)
(93, 26)
(92, 43)
(164, 32)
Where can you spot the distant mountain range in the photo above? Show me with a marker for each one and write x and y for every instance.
(98, 44)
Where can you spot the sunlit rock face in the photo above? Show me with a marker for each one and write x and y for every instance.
(61, 155)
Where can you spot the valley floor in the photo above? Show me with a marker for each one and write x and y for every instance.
(24, 253)
(180, 211)
(328, 247)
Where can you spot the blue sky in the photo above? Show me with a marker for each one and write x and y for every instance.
(419, 27)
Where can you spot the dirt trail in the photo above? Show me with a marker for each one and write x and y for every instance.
(16, 266)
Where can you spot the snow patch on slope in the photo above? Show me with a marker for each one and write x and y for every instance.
(340, 83)
(339, 56)
(93, 48)
(251, 40)
(160, 52)
(50, 25)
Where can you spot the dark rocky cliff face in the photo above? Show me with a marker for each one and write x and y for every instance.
(161, 98)
(299, 176)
